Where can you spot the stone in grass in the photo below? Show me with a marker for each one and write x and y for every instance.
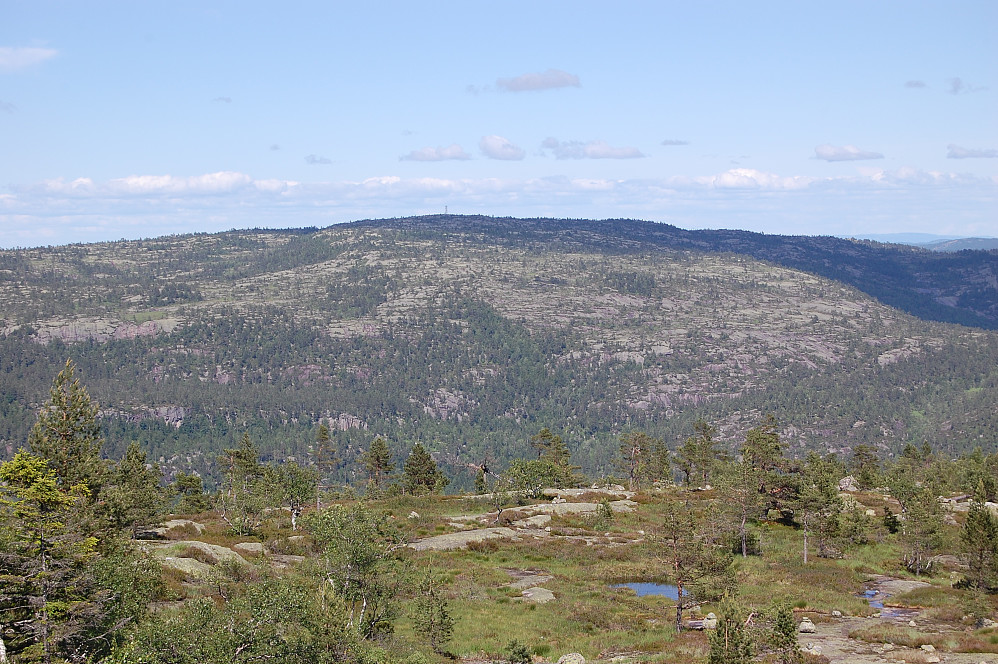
(710, 622)
(806, 626)
(572, 658)
(836, 614)
(251, 548)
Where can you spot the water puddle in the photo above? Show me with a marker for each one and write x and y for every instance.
(876, 600)
(644, 588)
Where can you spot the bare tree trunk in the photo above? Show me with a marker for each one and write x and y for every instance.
(3, 648)
(805, 540)
(744, 543)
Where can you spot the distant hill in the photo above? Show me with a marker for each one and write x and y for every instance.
(469, 334)
(963, 244)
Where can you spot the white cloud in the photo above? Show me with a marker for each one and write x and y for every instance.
(7, 107)
(590, 150)
(545, 80)
(915, 84)
(497, 147)
(209, 183)
(223, 100)
(957, 152)
(317, 160)
(672, 141)
(13, 58)
(747, 178)
(844, 153)
(453, 151)
(82, 209)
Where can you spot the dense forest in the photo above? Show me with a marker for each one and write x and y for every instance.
(100, 561)
(468, 334)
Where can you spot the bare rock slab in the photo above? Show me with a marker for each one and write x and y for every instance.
(462, 539)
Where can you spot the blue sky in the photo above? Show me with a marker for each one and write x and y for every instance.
(136, 119)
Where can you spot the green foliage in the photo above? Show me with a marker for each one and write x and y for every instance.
(134, 499)
(697, 458)
(247, 491)
(188, 490)
(816, 504)
(68, 435)
(785, 636)
(283, 620)
(921, 531)
(431, 615)
(377, 462)
(360, 559)
(63, 592)
(865, 466)
(730, 643)
(637, 459)
(517, 653)
(979, 545)
(696, 563)
(420, 474)
(295, 486)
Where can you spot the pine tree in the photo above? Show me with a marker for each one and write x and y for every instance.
(68, 436)
(700, 570)
(698, 454)
(377, 461)
(636, 449)
(420, 473)
(324, 459)
(431, 615)
(785, 636)
(979, 543)
(134, 499)
(730, 643)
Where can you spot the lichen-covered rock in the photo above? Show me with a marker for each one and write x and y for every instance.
(806, 626)
(836, 614)
(710, 622)
(572, 658)
(250, 548)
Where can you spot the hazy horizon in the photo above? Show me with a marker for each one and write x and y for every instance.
(139, 120)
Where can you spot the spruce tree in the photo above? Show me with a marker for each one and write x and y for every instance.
(68, 436)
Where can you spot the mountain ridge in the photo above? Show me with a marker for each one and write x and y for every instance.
(470, 333)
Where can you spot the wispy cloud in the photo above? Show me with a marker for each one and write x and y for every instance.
(590, 150)
(915, 84)
(453, 151)
(497, 147)
(545, 80)
(844, 153)
(957, 86)
(7, 107)
(957, 152)
(223, 100)
(317, 160)
(672, 141)
(274, 147)
(13, 58)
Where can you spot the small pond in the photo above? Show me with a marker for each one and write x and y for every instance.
(644, 588)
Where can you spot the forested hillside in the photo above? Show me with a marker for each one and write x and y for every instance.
(470, 334)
